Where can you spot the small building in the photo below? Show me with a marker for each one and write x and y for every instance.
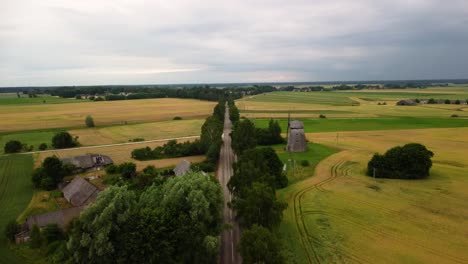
(182, 168)
(406, 102)
(60, 217)
(80, 192)
(88, 161)
(296, 137)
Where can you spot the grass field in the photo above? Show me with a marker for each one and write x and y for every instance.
(12, 99)
(34, 138)
(15, 193)
(363, 124)
(341, 215)
(47, 116)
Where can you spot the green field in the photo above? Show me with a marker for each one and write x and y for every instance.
(12, 99)
(15, 194)
(363, 124)
(34, 138)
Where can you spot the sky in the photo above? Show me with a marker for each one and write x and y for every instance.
(95, 42)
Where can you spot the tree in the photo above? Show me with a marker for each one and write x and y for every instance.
(43, 146)
(50, 173)
(431, 101)
(275, 132)
(234, 113)
(11, 229)
(63, 140)
(412, 161)
(211, 132)
(219, 111)
(127, 169)
(35, 237)
(447, 101)
(89, 121)
(13, 146)
(51, 233)
(259, 206)
(243, 136)
(259, 245)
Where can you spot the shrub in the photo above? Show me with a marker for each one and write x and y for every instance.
(431, 101)
(13, 146)
(136, 139)
(11, 229)
(127, 169)
(177, 118)
(447, 101)
(112, 169)
(51, 233)
(322, 116)
(412, 161)
(305, 163)
(454, 115)
(63, 140)
(417, 101)
(56, 194)
(89, 121)
(35, 237)
(457, 102)
(43, 146)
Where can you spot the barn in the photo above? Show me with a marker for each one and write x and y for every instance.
(88, 161)
(80, 192)
(296, 137)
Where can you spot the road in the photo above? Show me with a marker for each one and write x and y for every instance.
(230, 237)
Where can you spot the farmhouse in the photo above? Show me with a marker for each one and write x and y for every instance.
(296, 137)
(88, 161)
(406, 102)
(80, 192)
(60, 217)
(182, 168)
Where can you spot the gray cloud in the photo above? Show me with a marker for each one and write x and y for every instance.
(56, 42)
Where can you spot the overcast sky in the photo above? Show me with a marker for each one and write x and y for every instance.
(81, 42)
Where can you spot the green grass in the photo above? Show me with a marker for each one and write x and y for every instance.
(34, 138)
(314, 155)
(364, 124)
(12, 99)
(15, 194)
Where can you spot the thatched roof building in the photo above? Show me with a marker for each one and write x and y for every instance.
(80, 192)
(296, 137)
(89, 161)
(182, 168)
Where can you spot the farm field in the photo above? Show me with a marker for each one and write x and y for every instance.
(350, 104)
(341, 215)
(148, 131)
(15, 193)
(34, 138)
(49, 116)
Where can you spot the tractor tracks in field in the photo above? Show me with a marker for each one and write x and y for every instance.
(340, 168)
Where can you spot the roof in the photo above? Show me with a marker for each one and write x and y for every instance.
(182, 168)
(79, 191)
(60, 217)
(88, 161)
(295, 124)
(406, 102)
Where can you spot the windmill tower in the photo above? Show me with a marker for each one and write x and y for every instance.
(296, 136)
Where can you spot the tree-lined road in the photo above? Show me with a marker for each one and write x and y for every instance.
(230, 237)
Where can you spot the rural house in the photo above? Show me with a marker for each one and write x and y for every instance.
(80, 192)
(182, 168)
(406, 102)
(88, 161)
(296, 137)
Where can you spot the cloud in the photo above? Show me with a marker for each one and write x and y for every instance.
(64, 42)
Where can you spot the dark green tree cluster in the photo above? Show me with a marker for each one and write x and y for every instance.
(171, 149)
(412, 161)
(63, 140)
(270, 135)
(259, 245)
(243, 136)
(127, 169)
(234, 114)
(177, 222)
(89, 121)
(51, 173)
(13, 146)
(11, 229)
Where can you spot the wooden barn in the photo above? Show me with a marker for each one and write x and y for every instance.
(296, 137)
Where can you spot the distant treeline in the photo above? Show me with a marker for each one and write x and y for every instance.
(142, 92)
(360, 86)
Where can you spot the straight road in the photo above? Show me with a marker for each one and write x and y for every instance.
(230, 237)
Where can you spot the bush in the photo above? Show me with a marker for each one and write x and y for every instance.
(412, 161)
(13, 146)
(89, 121)
(136, 140)
(63, 140)
(431, 101)
(51, 233)
(127, 169)
(11, 229)
(454, 115)
(305, 163)
(35, 237)
(322, 116)
(177, 118)
(457, 102)
(43, 146)
(205, 166)
(112, 169)
(447, 101)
